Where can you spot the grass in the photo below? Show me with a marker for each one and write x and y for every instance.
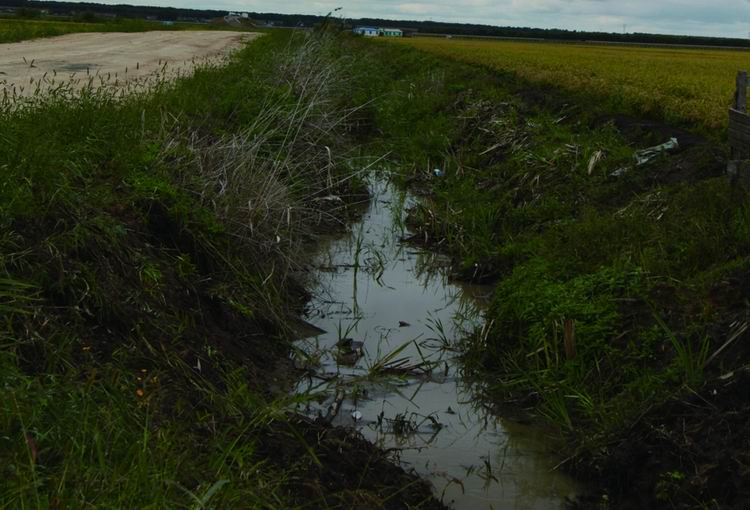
(694, 86)
(149, 263)
(16, 30)
(616, 285)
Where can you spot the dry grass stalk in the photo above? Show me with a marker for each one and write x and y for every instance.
(569, 332)
(270, 182)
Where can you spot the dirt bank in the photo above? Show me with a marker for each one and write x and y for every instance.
(125, 57)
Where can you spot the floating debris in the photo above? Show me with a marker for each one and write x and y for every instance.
(349, 351)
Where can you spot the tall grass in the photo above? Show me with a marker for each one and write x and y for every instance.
(269, 180)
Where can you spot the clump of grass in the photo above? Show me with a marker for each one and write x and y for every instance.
(267, 181)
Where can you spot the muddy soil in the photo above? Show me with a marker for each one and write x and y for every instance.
(126, 57)
(343, 471)
(692, 449)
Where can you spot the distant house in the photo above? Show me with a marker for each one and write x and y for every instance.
(378, 32)
(391, 32)
(367, 31)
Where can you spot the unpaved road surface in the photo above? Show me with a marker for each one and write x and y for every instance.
(125, 57)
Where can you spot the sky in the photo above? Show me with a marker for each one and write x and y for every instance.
(721, 18)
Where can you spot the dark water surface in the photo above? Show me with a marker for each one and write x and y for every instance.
(405, 390)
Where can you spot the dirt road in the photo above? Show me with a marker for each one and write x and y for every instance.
(120, 57)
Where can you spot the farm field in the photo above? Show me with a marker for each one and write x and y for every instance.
(693, 86)
(121, 57)
(15, 30)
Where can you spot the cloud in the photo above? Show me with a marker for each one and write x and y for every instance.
(728, 18)
(414, 8)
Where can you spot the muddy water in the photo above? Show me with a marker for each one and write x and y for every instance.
(401, 388)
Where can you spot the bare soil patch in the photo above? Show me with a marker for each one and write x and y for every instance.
(108, 57)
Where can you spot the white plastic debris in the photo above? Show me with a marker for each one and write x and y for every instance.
(437, 172)
(620, 171)
(356, 415)
(646, 155)
(329, 198)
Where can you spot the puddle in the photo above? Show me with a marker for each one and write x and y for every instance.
(389, 312)
(77, 68)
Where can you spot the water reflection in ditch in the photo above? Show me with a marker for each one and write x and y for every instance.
(384, 365)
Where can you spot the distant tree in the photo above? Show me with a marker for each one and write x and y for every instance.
(86, 17)
(27, 13)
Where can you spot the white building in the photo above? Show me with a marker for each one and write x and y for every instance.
(379, 32)
(391, 32)
(367, 31)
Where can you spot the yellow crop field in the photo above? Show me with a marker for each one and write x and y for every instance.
(696, 85)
